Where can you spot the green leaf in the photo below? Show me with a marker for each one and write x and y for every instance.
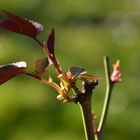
(41, 65)
(76, 71)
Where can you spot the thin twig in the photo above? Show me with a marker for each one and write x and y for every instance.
(109, 87)
(52, 58)
(41, 45)
(33, 75)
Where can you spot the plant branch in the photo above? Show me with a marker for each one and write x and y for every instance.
(87, 119)
(50, 83)
(40, 44)
(33, 75)
(109, 87)
(84, 100)
(52, 58)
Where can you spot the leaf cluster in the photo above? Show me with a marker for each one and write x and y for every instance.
(68, 80)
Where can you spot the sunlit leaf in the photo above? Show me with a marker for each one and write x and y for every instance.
(59, 89)
(20, 25)
(76, 71)
(65, 84)
(41, 65)
(89, 77)
(10, 70)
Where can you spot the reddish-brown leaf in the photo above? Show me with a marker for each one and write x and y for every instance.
(20, 25)
(9, 71)
(80, 73)
(76, 71)
(49, 45)
(41, 65)
(89, 77)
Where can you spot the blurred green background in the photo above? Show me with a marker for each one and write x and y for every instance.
(86, 30)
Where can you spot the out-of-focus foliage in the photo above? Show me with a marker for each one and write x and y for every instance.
(86, 30)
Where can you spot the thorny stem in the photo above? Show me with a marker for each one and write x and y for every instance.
(87, 119)
(109, 87)
(86, 105)
(84, 101)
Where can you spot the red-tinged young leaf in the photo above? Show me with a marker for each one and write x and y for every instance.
(9, 71)
(49, 45)
(20, 25)
(76, 71)
(49, 48)
(65, 83)
(41, 65)
(116, 74)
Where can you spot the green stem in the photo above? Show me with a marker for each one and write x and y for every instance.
(96, 137)
(87, 119)
(109, 87)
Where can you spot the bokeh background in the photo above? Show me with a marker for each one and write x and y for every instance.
(86, 30)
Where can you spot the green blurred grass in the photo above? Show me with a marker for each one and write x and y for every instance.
(85, 32)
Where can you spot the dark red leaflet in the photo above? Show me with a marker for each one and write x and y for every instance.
(50, 42)
(9, 71)
(20, 25)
